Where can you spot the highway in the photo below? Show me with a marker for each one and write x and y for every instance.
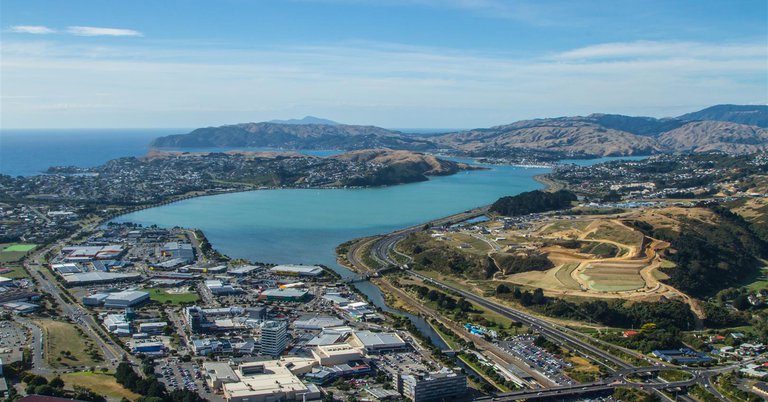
(381, 250)
(76, 313)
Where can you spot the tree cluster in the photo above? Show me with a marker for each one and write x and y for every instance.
(533, 201)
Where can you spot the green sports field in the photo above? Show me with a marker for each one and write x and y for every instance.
(19, 248)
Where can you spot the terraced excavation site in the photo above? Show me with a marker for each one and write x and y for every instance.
(596, 256)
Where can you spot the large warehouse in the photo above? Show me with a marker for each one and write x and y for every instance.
(297, 270)
(126, 298)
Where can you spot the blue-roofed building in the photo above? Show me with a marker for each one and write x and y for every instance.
(682, 356)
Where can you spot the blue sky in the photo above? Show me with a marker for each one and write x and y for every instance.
(393, 63)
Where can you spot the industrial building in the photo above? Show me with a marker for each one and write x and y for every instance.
(217, 288)
(88, 253)
(297, 270)
(374, 343)
(89, 278)
(274, 337)
(126, 298)
(95, 300)
(267, 381)
(289, 294)
(180, 251)
(245, 270)
(438, 385)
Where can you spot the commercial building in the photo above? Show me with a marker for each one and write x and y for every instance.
(374, 343)
(289, 294)
(297, 270)
(312, 322)
(20, 307)
(117, 324)
(438, 385)
(205, 347)
(335, 354)
(151, 348)
(325, 375)
(217, 374)
(267, 381)
(274, 337)
(152, 328)
(126, 298)
(682, 356)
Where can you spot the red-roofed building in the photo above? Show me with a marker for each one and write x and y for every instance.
(627, 334)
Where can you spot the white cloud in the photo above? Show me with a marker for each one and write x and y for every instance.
(32, 29)
(654, 49)
(98, 31)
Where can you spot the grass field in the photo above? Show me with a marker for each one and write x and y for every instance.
(102, 384)
(20, 248)
(11, 256)
(162, 296)
(447, 339)
(65, 346)
(16, 272)
(614, 276)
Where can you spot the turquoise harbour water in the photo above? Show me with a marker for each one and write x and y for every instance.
(305, 225)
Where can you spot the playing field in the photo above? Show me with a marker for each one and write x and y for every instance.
(613, 276)
(102, 384)
(169, 295)
(20, 248)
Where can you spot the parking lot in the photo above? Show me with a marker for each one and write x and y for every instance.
(189, 375)
(13, 337)
(539, 359)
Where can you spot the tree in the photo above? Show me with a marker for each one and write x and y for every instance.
(57, 382)
(741, 302)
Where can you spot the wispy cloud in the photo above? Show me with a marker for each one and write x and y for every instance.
(32, 29)
(658, 49)
(99, 31)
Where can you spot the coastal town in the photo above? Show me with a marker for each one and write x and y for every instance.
(163, 302)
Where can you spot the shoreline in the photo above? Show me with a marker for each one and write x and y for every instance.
(550, 185)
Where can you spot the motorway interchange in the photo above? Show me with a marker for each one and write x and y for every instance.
(382, 250)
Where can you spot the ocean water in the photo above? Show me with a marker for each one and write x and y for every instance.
(31, 152)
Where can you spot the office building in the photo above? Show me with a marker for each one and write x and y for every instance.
(274, 337)
(433, 386)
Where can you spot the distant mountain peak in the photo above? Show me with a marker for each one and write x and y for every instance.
(306, 120)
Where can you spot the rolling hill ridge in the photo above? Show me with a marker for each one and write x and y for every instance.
(725, 128)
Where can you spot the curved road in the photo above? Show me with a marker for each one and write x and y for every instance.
(381, 250)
